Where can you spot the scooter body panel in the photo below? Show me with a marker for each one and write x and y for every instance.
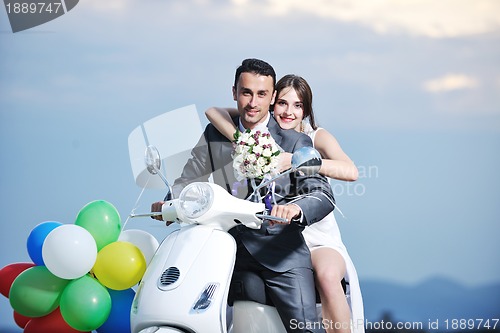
(192, 262)
(252, 317)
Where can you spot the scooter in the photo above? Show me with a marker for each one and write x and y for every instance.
(186, 286)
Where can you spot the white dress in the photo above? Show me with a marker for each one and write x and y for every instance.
(326, 233)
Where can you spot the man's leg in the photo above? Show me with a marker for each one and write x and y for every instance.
(294, 296)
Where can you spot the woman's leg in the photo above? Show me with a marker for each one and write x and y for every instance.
(329, 270)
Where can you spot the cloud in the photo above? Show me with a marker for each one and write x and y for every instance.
(430, 18)
(108, 5)
(450, 82)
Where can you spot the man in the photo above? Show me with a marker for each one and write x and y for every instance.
(276, 252)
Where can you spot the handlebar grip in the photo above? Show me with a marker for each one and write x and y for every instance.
(168, 211)
(271, 217)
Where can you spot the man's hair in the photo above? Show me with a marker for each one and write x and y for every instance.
(255, 66)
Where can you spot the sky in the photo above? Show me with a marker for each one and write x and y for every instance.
(411, 89)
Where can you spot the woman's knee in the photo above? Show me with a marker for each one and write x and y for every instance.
(329, 267)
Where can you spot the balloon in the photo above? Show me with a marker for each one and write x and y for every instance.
(36, 292)
(119, 265)
(21, 320)
(9, 273)
(102, 220)
(69, 251)
(53, 323)
(85, 304)
(119, 317)
(36, 238)
(146, 242)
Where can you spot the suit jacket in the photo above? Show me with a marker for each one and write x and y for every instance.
(280, 247)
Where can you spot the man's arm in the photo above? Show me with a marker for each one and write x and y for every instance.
(313, 194)
(315, 198)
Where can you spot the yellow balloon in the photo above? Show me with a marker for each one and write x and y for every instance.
(119, 265)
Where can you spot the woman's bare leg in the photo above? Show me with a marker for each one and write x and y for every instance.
(329, 270)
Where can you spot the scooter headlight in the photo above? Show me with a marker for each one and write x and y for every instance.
(196, 199)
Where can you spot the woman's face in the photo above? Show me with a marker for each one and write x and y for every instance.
(288, 110)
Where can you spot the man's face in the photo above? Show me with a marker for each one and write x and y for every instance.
(254, 94)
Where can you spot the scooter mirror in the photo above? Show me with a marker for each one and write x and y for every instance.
(152, 160)
(153, 164)
(306, 160)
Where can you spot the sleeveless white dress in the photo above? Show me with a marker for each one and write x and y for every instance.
(326, 233)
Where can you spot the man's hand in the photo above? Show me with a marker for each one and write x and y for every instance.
(156, 207)
(287, 212)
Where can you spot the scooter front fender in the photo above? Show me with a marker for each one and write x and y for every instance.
(187, 264)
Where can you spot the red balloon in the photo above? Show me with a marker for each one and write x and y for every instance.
(53, 323)
(9, 273)
(21, 320)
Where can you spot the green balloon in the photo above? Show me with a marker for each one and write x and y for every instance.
(85, 304)
(36, 292)
(102, 220)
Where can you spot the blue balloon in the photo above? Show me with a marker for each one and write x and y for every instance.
(36, 238)
(119, 317)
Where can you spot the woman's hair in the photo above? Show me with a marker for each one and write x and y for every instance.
(303, 91)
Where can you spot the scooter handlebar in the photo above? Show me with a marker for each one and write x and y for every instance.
(169, 211)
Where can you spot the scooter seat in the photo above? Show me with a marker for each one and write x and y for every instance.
(249, 286)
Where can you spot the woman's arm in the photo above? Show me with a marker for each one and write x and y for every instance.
(336, 164)
(221, 119)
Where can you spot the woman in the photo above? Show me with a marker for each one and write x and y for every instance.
(331, 262)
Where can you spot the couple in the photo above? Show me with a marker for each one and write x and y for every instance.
(278, 253)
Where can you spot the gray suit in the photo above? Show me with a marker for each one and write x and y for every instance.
(278, 253)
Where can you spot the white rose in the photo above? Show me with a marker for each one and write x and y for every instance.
(257, 150)
(267, 152)
(261, 161)
(264, 141)
(244, 136)
(250, 158)
(240, 149)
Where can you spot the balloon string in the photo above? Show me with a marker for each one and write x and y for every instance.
(136, 202)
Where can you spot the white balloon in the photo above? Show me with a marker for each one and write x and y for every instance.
(69, 251)
(146, 242)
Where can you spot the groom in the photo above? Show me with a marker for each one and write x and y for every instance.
(276, 252)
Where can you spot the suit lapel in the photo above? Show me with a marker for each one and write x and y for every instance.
(275, 130)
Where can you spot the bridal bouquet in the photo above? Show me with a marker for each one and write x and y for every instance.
(255, 154)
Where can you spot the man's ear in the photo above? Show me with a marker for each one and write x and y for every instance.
(274, 97)
(234, 94)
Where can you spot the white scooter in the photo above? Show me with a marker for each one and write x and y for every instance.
(186, 285)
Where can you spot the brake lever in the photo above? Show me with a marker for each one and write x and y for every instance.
(271, 217)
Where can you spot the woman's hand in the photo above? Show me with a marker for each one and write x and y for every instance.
(284, 161)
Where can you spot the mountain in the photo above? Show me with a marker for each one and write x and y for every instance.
(435, 299)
